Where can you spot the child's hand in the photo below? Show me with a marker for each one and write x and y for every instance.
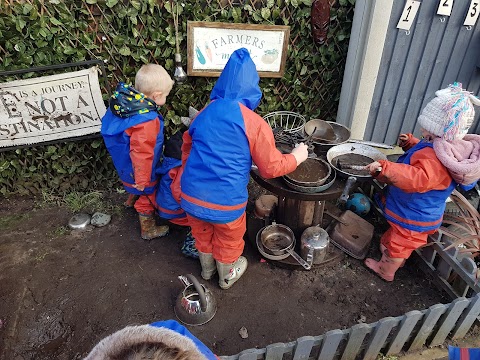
(403, 140)
(139, 187)
(300, 152)
(374, 168)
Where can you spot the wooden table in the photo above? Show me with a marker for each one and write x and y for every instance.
(295, 209)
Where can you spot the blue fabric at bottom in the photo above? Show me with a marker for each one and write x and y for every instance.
(176, 326)
(455, 353)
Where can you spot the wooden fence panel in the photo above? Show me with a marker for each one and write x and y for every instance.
(330, 344)
(433, 314)
(275, 351)
(467, 319)
(407, 324)
(437, 322)
(355, 340)
(383, 329)
(448, 320)
(252, 354)
(304, 347)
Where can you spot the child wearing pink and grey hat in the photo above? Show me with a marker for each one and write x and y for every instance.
(422, 179)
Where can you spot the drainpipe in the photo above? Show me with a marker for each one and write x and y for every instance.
(369, 30)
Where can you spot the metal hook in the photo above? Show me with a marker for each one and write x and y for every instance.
(469, 27)
(407, 32)
(442, 19)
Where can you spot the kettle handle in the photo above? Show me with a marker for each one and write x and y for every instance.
(201, 292)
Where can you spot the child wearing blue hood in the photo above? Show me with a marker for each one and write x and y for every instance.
(217, 154)
(132, 129)
(161, 340)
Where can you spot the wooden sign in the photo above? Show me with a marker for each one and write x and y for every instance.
(50, 108)
(210, 44)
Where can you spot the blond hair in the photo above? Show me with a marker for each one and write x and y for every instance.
(154, 351)
(151, 78)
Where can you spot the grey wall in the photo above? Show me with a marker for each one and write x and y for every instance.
(434, 55)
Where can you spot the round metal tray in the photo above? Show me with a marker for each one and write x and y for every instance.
(267, 255)
(307, 166)
(312, 189)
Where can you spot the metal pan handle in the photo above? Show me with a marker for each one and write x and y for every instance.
(346, 191)
(299, 259)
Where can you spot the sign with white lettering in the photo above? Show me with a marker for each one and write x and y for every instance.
(50, 108)
(210, 45)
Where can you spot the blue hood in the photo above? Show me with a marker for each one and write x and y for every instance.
(239, 81)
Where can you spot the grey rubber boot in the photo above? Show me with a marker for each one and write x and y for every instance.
(208, 265)
(229, 273)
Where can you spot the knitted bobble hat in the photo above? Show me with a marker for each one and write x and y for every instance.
(450, 114)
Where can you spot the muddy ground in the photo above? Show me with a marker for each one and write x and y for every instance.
(62, 291)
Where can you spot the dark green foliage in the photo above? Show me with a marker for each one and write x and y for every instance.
(128, 33)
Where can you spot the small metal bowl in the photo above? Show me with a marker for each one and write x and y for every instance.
(79, 221)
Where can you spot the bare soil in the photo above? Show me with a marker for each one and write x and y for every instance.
(63, 291)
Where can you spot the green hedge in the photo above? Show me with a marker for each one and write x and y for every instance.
(125, 34)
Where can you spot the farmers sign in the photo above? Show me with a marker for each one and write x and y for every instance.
(50, 108)
(210, 45)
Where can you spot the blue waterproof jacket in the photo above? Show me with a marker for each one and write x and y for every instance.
(414, 210)
(167, 206)
(216, 174)
(139, 159)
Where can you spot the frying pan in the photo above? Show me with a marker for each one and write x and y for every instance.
(312, 189)
(278, 240)
(350, 149)
(306, 167)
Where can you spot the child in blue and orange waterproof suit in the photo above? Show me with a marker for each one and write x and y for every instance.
(161, 340)
(168, 192)
(217, 153)
(132, 129)
(422, 179)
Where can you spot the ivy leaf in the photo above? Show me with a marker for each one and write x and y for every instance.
(111, 3)
(265, 13)
(20, 47)
(270, 3)
(136, 4)
(68, 50)
(27, 8)
(55, 21)
(237, 14)
(96, 144)
(125, 51)
(304, 70)
(91, 2)
(20, 24)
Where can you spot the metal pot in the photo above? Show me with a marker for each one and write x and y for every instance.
(311, 172)
(195, 305)
(312, 189)
(314, 244)
(348, 150)
(278, 240)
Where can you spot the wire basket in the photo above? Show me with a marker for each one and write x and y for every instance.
(289, 121)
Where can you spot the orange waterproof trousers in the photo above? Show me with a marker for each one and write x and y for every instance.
(224, 241)
(144, 204)
(401, 242)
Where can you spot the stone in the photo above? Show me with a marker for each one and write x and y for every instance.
(100, 219)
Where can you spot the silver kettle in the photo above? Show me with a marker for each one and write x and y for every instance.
(314, 244)
(196, 304)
